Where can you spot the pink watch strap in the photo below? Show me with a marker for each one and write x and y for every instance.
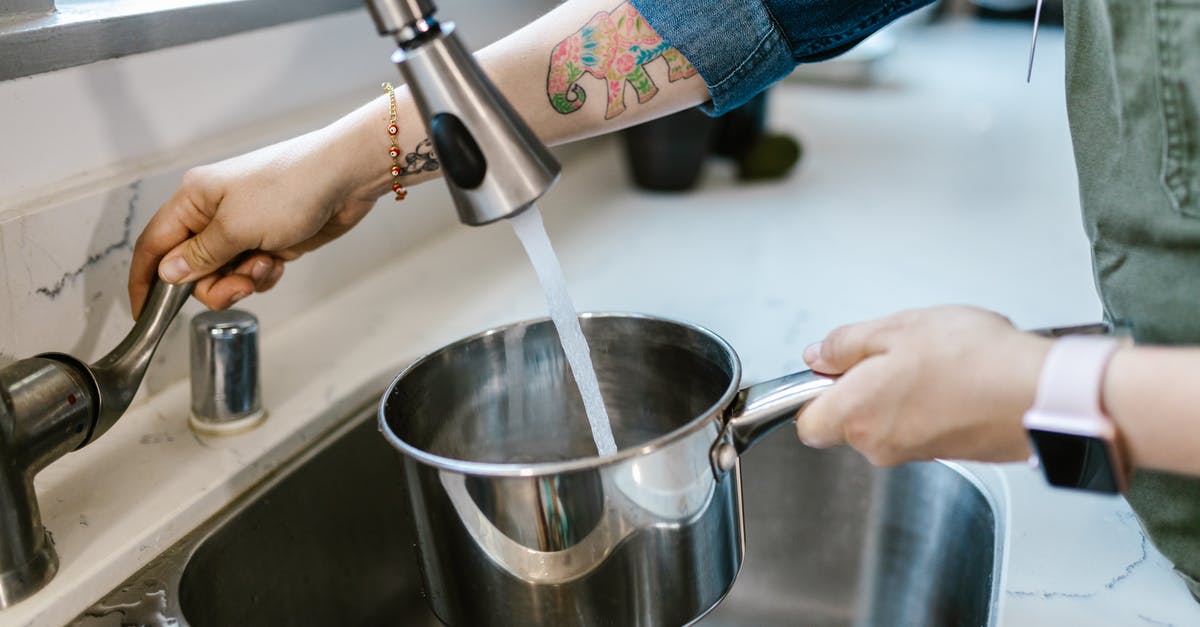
(1073, 375)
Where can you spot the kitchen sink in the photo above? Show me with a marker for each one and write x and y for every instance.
(830, 541)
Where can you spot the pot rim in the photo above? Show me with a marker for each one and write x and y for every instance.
(536, 469)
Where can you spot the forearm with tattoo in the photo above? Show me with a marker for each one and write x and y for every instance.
(590, 44)
(613, 47)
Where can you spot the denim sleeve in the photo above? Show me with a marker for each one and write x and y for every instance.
(741, 47)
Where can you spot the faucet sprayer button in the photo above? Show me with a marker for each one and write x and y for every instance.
(458, 151)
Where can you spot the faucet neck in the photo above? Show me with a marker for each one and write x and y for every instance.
(405, 20)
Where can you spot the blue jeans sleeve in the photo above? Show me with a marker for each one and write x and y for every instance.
(741, 47)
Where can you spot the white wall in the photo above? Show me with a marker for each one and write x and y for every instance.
(88, 154)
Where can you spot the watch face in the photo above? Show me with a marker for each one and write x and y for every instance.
(1077, 461)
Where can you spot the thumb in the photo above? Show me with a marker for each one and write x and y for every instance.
(200, 255)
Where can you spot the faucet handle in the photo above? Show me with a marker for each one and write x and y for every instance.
(115, 377)
(119, 373)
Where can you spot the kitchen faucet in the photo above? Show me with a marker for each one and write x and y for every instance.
(53, 404)
(494, 165)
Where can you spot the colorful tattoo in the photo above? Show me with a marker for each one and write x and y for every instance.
(420, 159)
(613, 47)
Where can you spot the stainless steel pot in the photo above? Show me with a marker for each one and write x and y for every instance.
(519, 522)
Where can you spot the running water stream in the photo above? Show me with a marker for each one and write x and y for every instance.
(532, 233)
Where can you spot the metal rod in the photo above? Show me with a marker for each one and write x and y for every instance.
(1037, 19)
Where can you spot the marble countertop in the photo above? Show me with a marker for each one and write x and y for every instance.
(935, 185)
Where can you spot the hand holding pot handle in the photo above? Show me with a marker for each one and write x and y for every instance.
(759, 409)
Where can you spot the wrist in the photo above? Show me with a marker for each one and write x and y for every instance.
(1031, 352)
(357, 146)
(1077, 444)
(1028, 356)
(1120, 365)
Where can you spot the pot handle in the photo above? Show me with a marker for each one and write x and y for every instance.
(760, 409)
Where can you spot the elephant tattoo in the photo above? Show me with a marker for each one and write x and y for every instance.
(612, 47)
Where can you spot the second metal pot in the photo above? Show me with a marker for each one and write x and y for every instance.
(518, 520)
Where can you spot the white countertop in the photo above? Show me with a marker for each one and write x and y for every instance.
(935, 186)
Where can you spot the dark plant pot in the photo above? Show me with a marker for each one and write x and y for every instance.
(668, 154)
(738, 131)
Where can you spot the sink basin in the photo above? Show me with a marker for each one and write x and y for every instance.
(833, 541)
(830, 541)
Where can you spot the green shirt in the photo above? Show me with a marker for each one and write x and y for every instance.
(1133, 93)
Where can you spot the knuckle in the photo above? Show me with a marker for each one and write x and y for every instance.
(851, 407)
(905, 440)
(201, 256)
(1001, 318)
(223, 233)
(194, 177)
(834, 344)
(867, 441)
(141, 247)
(859, 435)
(943, 309)
(344, 220)
(908, 319)
(215, 305)
(884, 457)
(871, 438)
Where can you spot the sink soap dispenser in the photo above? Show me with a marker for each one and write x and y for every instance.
(225, 379)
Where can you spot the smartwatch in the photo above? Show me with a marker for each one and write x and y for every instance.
(1076, 444)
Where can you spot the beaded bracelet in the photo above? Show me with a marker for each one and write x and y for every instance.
(393, 130)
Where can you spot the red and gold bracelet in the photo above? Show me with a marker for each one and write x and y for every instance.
(393, 130)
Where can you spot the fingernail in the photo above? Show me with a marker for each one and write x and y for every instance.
(278, 271)
(174, 270)
(812, 353)
(238, 296)
(260, 271)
